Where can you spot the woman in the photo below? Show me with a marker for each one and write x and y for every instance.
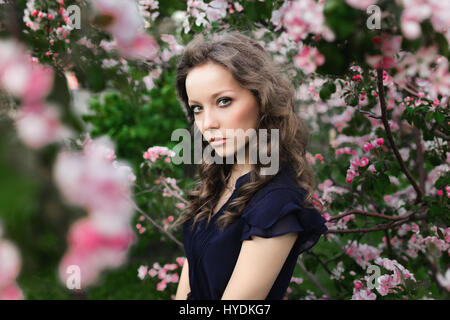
(243, 230)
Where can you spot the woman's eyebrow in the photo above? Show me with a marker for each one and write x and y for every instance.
(212, 96)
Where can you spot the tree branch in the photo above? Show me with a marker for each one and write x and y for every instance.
(437, 132)
(313, 278)
(157, 226)
(175, 195)
(371, 214)
(381, 226)
(387, 128)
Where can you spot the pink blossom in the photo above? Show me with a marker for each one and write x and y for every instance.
(308, 59)
(91, 181)
(180, 261)
(277, 15)
(367, 146)
(352, 171)
(363, 294)
(346, 150)
(217, 9)
(92, 250)
(302, 17)
(444, 280)
(156, 266)
(127, 28)
(180, 205)
(87, 236)
(361, 4)
(415, 11)
(10, 263)
(126, 20)
(28, 81)
(142, 46)
(171, 266)
(161, 285)
(153, 272)
(205, 13)
(390, 45)
(38, 125)
(175, 278)
(90, 264)
(364, 162)
(440, 79)
(238, 6)
(11, 292)
(154, 153)
(142, 272)
(174, 47)
(362, 253)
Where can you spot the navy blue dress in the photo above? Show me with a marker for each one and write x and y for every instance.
(274, 210)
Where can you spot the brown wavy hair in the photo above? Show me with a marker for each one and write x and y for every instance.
(253, 68)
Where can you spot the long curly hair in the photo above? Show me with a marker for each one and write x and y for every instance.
(253, 68)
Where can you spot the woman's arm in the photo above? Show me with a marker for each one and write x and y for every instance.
(183, 285)
(259, 263)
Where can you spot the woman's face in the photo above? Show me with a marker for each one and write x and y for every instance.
(220, 103)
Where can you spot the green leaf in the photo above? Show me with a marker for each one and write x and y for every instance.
(439, 117)
(327, 90)
(437, 210)
(379, 165)
(382, 183)
(351, 100)
(429, 116)
(310, 263)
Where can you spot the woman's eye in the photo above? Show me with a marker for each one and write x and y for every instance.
(224, 99)
(193, 108)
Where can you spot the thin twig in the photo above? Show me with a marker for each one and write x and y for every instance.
(174, 194)
(371, 214)
(320, 261)
(389, 134)
(420, 160)
(156, 225)
(370, 114)
(381, 226)
(436, 132)
(313, 278)
(145, 191)
(377, 228)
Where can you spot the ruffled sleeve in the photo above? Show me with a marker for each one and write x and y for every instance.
(280, 212)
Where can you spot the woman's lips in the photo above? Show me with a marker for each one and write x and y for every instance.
(218, 142)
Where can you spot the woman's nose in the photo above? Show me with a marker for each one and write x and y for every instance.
(210, 119)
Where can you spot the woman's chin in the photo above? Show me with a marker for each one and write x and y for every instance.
(223, 152)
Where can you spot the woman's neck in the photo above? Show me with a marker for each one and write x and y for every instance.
(237, 171)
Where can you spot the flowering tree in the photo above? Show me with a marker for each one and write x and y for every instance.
(371, 78)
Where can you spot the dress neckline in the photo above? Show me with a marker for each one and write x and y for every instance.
(239, 182)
